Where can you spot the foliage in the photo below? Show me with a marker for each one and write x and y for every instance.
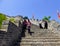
(2, 18)
(12, 20)
(47, 18)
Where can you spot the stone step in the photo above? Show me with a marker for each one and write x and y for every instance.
(25, 45)
(41, 45)
(4, 30)
(40, 40)
(41, 30)
(30, 37)
(45, 33)
(4, 27)
(38, 43)
(42, 35)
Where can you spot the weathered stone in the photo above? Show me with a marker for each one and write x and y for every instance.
(53, 25)
(58, 28)
(41, 37)
(5, 22)
(11, 36)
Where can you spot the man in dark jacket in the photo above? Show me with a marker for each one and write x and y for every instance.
(46, 25)
(24, 25)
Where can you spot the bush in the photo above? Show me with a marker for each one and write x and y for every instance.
(47, 18)
(2, 18)
(12, 20)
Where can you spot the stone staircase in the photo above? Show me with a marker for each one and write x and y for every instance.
(40, 37)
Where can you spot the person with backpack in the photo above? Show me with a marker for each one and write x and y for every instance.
(46, 25)
(29, 26)
(26, 25)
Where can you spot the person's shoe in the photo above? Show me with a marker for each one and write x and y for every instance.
(30, 33)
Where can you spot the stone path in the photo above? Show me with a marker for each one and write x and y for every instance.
(41, 37)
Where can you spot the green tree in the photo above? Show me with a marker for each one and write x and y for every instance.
(2, 18)
(12, 20)
(47, 18)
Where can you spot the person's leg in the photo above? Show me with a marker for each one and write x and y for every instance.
(46, 25)
(23, 31)
(40, 26)
(29, 30)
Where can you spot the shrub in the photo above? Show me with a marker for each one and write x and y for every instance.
(47, 18)
(12, 20)
(2, 18)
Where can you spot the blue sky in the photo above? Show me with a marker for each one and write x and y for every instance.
(39, 8)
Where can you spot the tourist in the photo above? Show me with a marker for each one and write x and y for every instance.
(41, 24)
(29, 26)
(26, 25)
(46, 25)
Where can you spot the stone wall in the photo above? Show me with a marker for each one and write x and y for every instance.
(53, 25)
(35, 22)
(11, 36)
